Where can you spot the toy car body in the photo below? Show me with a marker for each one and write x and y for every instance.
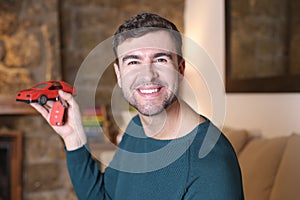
(44, 91)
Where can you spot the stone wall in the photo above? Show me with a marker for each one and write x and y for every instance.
(42, 40)
(29, 44)
(44, 169)
(30, 53)
(85, 24)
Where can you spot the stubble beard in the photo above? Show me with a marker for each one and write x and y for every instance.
(149, 108)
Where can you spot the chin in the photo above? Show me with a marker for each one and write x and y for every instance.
(149, 109)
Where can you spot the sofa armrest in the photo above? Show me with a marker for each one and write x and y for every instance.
(238, 138)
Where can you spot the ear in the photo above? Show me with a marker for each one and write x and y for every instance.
(181, 67)
(117, 71)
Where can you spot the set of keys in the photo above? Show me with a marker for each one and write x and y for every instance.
(58, 113)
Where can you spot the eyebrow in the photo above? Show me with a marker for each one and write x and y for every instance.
(130, 57)
(163, 54)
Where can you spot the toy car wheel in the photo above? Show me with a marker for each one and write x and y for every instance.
(42, 100)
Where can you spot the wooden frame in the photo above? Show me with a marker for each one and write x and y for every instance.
(15, 141)
(283, 81)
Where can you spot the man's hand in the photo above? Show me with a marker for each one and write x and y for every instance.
(72, 131)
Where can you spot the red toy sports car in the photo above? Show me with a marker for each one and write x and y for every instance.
(44, 91)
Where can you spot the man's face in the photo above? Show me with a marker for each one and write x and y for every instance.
(148, 72)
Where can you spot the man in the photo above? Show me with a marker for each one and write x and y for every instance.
(158, 157)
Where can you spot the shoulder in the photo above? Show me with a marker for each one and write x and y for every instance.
(214, 168)
(211, 142)
(212, 153)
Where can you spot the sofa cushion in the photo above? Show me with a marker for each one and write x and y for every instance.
(238, 138)
(259, 162)
(287, 182)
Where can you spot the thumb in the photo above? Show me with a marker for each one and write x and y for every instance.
(68, 97)
(65, 95)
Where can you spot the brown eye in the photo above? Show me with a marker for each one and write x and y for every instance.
(161, 60)
(132, 63)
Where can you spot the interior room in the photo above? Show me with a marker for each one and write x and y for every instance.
(258, 108)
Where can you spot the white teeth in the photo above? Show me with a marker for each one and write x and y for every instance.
(150, 91)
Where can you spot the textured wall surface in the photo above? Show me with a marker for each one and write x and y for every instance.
(85, 24)
(29, 44)
(265, 38)
(41, 40)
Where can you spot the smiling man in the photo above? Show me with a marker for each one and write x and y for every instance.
(158, 157)
(149, 69)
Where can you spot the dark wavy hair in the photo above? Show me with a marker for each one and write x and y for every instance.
(142, 24)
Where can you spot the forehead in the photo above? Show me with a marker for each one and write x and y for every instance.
(159, 40)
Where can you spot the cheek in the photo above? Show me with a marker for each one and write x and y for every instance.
(128, 77)
(171, 76)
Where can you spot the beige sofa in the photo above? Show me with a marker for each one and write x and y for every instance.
(270, 166)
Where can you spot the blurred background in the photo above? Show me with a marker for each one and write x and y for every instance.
(48, 40)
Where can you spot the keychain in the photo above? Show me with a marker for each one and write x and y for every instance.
(44, 91)
(58, 112)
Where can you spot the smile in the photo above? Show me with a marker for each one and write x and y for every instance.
(149, 91)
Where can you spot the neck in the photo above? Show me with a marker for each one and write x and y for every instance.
(171, 124)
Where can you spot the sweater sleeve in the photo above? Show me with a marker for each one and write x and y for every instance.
(216, 189)
(87, 179)
(216, 176)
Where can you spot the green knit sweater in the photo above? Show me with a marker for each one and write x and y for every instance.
(200, 165)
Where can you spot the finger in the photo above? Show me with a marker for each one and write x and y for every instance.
(42, 110)
(67, 97)
(50, 104)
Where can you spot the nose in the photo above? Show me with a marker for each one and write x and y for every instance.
(150, 71)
